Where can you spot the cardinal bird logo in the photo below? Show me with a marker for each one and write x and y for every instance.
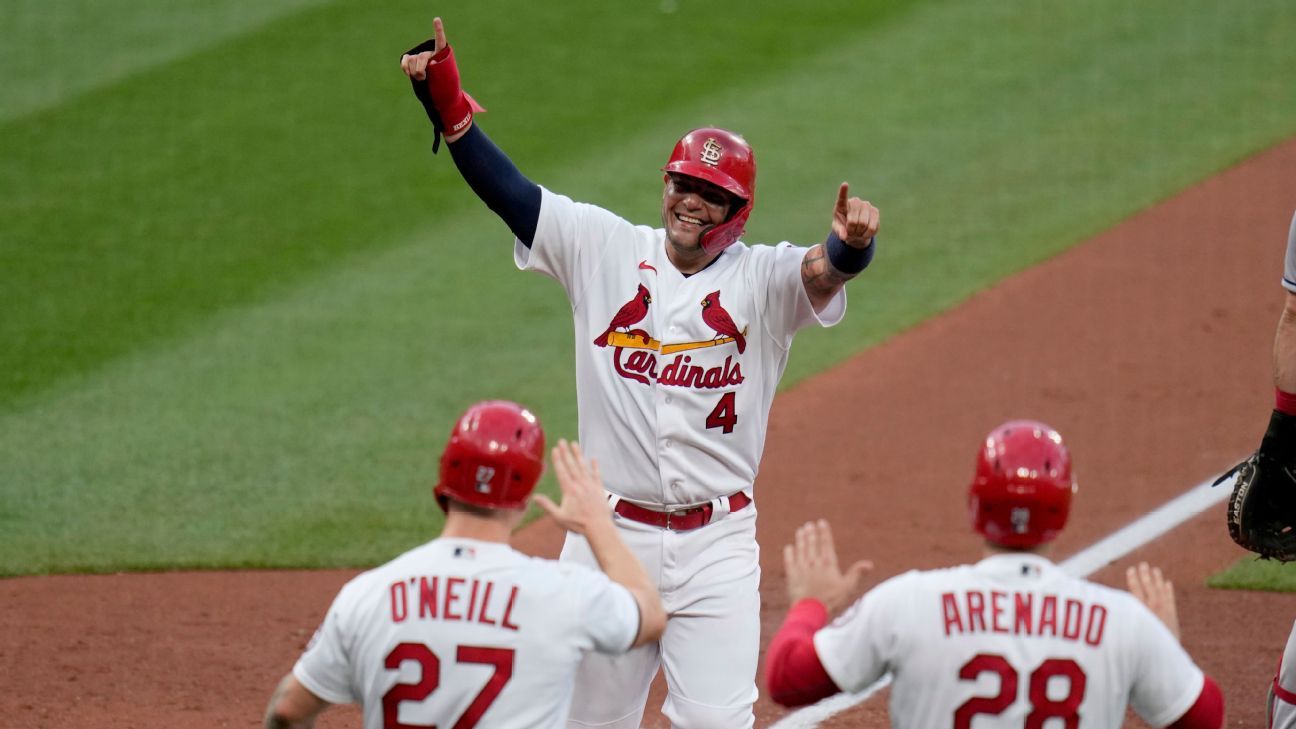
(718, 319)
(630, 314)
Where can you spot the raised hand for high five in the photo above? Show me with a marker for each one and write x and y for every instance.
(812, 571)
(1150, 587)
(855, 221)
(584, 503)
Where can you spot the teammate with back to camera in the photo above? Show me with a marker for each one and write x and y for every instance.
(464, 631)
(681, 333)
(1010, 641)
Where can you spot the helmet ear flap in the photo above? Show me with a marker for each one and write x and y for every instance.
(716, 238)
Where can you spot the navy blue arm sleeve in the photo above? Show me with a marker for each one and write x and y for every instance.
(498, 182)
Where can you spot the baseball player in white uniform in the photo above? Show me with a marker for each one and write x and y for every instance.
(682, 333)
(1010, 641)
(1282, 693)
(464, 631)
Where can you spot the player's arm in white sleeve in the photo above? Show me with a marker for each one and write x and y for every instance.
(609, 612)
(584, 510)
(1289, 261)
(319, 678)
(1284, 354)
(1169, 689)
(827, 266)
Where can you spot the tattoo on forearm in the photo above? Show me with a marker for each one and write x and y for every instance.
(818, 273)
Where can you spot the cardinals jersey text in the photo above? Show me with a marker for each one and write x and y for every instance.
(675, 374)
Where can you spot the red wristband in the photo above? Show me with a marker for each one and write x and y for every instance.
(455, 107)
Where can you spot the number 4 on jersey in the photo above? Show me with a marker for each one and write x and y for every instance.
(723, 416)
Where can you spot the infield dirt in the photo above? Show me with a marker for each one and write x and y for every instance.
(1148, 347)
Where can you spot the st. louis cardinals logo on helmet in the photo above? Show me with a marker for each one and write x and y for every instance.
(724, 159)
(1021, 494)
(711, 152)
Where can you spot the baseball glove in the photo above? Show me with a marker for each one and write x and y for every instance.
(1262, 507)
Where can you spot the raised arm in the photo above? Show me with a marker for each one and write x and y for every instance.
(1262, 507)
(434, 74)
(816, 589)
(585, 511)
(829, 265)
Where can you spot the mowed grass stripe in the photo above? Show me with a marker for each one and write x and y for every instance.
(53, 51)
(130, 214)
(995, 135)
(303, 428)
(1254, 573)
(233, 444)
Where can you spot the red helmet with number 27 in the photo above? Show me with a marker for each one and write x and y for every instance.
(721, 158)
(494, 458)
(1021, 494)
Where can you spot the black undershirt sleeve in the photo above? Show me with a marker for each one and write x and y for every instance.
(498, 182)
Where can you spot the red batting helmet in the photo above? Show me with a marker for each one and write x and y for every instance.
(1021, 494)
(494, 457)
(724, 159)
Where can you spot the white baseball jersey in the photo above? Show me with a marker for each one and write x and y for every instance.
(1289, 263)
(463, 633)
(1282, 694)
(675, 375)
(1009, 642)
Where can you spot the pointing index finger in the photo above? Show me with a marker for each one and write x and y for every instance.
(440, 33)
(842, 193)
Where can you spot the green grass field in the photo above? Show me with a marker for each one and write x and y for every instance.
(1252, 573)
(243, 301)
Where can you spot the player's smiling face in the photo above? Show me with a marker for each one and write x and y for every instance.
(690, 206)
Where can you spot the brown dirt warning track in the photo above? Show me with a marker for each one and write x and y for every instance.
(1148, 347)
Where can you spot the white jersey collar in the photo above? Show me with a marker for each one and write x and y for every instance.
(1018, 567)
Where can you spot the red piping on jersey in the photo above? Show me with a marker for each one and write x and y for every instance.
(1207, 712)
(793, 672)
(1284, 402)
(1279, 691)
